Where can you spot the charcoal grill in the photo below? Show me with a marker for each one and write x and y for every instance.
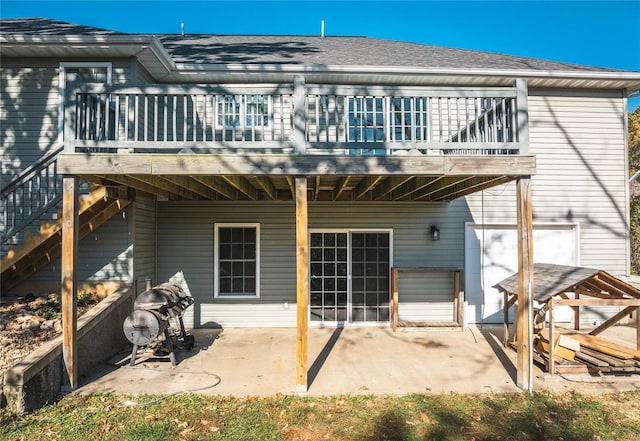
(156, 321)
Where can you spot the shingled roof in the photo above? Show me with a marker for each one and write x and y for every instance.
(344, 51)
(47, 26)
(302, 50)
(550, 280)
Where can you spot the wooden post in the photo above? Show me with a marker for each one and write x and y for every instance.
(394, 300)
(524, 310)
(458, 298)
(637, 314)
(302, 284)
(505, 319)
(552, 361)
(69, 282)
(576, 314)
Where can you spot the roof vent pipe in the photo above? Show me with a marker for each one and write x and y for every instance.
(322, 29)
(182, 29)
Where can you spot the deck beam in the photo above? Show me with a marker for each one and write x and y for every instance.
(295, 165)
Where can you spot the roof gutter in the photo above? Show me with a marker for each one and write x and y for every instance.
(520, 73)
(98, 41)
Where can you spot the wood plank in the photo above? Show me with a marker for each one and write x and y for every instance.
(251, 164)
(394, 299)
(589, 292)
(473, 186)
(218, 185)
(138, 185)
(598, 302)
(605, 346)
(69, 280)
(505, 319)
(242, 185)
(193, 186)
(291, 185)
(591, 360)
(342, 185)
(302, 283)
(524, 310)
(610, 360)
(616, 286)
(389, 185)
(621, 285)
(557, 352)
(365, 185)
(162, 184)
(552, 340)
(613, 320)
(459, 296)
(437, 185)
(267, 185)
(412, 186)
(576, 314)
(316, 188)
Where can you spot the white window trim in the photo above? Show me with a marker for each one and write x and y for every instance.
(216, 280)
(62, 85)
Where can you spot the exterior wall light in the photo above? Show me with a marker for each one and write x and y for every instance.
(435, 233)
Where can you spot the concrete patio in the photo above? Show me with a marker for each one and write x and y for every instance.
(245, 361)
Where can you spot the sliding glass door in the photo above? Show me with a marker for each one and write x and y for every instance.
(337, 258)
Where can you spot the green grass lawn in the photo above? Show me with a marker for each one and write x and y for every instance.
(543, 416)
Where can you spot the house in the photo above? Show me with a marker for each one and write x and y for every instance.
(286, 176)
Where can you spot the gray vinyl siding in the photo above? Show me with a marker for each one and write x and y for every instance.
(425, 297)
(103, 256)
(185, 243)
(579, 143)
(578, 138)
(144, 251)
(29, 109)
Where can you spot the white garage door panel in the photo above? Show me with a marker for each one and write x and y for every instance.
(551, 244)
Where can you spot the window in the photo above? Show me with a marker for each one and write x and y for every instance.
(243, 110)
(380, 120)
(237, 260)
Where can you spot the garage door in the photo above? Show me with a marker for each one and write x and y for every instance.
(491, 256)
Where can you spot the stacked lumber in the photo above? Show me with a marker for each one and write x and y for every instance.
(572, 349)
(607, 356)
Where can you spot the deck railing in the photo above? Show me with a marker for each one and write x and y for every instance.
(31, 194)
(294, 118)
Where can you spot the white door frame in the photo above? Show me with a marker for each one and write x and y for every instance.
(348, 231)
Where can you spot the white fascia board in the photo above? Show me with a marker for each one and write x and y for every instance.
(186, 69)
(100, 42)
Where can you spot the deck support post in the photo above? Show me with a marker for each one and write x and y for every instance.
(394, 299)
(69, 282)
(302, 283)
(505, 320)
(552, 339)
(524, 309)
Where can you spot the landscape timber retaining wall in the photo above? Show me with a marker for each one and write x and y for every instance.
(37, 379)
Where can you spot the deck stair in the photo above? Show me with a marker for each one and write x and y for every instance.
(39, 248)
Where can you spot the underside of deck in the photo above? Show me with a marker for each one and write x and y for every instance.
(271, 177)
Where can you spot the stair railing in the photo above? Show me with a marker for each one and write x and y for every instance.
(31, 194)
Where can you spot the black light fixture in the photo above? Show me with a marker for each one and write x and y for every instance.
(435, 233)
